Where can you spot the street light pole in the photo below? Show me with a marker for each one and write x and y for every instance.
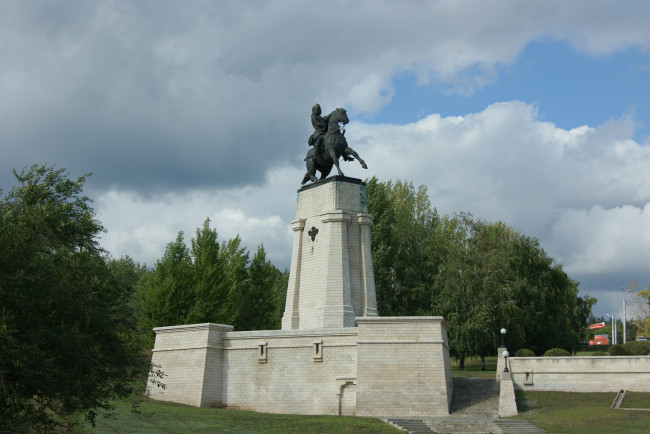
(624, 321)
(613, 329)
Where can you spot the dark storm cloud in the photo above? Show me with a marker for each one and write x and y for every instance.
(131, 93)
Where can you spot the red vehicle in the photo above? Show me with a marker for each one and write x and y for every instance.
(599, 340)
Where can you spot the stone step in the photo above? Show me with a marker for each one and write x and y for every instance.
(508, 426)
(410, 425)
(465, 425)
(475, 397)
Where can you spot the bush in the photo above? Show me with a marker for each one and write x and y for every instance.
(617, 350)
(637, 348)
(557, 352)
(524, 352)
(599, 353)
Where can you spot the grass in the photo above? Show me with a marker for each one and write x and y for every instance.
(562, 412)
(589, 350)
(159, 417)
(567, 412)
(589, 353)
(636, 400)
(473, 368)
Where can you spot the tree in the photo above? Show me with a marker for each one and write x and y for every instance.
(471, 282)
(168, 294)
(257, 310)
(212, 282)
(237, 282)
(480, 276)
(404, 247)
(64, 313)
(640, 307)
(210, 290)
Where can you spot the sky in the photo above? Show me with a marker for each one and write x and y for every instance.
(534, 113)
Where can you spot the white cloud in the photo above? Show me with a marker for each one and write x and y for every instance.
(141, 227)
(596, 239)
(584, 192)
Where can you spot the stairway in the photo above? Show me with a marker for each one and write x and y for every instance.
(464, 425)
(474, 409)
(475, 397)
(415, 426)
(508, 426)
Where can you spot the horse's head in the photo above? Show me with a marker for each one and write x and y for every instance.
(340, 115)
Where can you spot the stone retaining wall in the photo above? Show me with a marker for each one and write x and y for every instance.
(386, 366)
(581, 374)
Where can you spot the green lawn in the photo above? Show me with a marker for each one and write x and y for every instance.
(566, 412)
(473, 368)
(636, 400)
(158, 417)
(561, 412)
(553, 411)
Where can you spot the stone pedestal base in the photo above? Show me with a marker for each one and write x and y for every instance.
(331, 280)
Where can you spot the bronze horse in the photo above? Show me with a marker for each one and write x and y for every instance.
(334, 147)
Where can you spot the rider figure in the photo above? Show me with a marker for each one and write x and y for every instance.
(320, 128)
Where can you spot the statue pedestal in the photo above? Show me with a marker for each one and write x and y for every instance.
(331, 280)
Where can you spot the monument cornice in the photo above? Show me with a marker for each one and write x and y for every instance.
(336, 178)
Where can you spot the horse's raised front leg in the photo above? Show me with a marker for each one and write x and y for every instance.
(350, 151)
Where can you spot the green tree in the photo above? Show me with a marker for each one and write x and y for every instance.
(473, 284)
(480, 276)
(212, 282)
(209, 290)
(168, 294)
(257, 311)
(640, 308)
(64, 313)
(404, 246)
(279, 299)
(237, 282)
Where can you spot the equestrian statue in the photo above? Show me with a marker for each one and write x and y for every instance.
(328, 144)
